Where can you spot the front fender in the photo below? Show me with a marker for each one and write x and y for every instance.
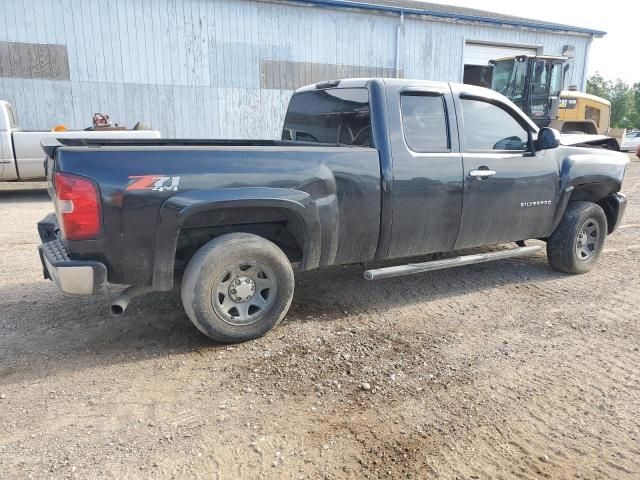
(600, 167)
(177, 209)
(592, 176)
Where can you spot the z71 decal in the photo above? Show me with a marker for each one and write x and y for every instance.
(155, 183)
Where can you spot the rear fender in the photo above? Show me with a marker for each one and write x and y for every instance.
(179, 208)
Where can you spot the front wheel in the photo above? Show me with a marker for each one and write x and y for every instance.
(237, 287)
(576, 244)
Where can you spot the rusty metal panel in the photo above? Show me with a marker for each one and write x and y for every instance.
(286, 75)
(5, 62)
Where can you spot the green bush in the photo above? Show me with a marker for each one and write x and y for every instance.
(625, 100)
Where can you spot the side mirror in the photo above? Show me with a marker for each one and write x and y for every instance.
(548, 138)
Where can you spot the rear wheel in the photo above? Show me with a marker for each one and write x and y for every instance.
(576, 244)
(237, 287)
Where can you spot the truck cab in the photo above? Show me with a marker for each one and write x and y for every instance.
(532, 83)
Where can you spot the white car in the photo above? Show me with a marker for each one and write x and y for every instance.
(22, 157)
(631, 141)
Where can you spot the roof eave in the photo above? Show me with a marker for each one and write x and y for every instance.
(457, 16)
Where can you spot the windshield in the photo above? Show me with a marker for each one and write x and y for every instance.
(509, 78)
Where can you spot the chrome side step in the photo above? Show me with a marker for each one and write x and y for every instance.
(411, 268)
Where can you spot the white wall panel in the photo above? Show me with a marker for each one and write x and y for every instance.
(191, 68)
(481, 54)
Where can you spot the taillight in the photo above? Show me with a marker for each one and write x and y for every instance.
(78, 206)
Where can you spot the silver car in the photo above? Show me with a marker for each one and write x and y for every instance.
(631, 141)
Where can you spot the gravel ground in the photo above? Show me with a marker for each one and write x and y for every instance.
(502, 370)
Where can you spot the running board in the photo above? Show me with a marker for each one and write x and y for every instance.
(411, 268)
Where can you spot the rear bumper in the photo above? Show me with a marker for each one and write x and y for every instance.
(77, 277)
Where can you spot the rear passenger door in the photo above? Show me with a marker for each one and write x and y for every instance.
(427, 169)
(508, 194)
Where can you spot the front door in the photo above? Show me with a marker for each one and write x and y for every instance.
(508, 195)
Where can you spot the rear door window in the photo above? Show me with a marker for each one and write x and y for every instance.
(424, 121)
(337, 115)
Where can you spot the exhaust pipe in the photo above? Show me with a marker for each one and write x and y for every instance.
(121, 302)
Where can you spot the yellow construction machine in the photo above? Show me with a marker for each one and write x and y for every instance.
(534, 83)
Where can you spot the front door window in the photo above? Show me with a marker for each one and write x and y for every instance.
(488, 127)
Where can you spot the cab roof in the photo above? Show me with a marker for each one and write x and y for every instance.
(406, 84)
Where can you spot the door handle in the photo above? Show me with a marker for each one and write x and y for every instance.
(482, 173)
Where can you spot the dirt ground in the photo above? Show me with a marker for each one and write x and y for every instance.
(502, 370)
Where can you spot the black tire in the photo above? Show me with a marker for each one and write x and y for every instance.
(577, 242)
(210, 294)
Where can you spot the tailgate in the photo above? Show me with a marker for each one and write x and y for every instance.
(49, 146)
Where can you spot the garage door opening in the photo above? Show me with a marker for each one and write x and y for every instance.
(477, 57)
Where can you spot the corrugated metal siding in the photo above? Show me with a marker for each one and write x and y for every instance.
(434, 50)
(191, 68)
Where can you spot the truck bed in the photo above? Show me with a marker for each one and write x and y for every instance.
(337, 185)
(50, 145)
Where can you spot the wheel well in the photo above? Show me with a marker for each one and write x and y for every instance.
(610, 208)
(280, 226)
(600, 194)
(594, 192)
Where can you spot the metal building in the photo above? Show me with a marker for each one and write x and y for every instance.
(226, 68)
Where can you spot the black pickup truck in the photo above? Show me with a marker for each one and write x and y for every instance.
(367, 170)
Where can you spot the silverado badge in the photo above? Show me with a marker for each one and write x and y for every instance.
(537, 203)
